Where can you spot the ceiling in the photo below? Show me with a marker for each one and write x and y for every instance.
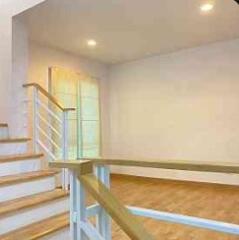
(130, 29)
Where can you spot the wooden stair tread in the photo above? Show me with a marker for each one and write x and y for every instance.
(25, 177)
(3, 125)
(9, 207)
(14, 140)
(39, 229)
(18, 157)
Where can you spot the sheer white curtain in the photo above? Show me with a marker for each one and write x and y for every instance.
(81, 91)
(89, 117)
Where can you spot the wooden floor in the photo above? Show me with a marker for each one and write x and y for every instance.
(202, 200)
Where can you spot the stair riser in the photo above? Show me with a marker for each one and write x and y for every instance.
(13, 148)
(17, 167)
(32, 215)
(10, 192)
(4, 133)
(59, 235)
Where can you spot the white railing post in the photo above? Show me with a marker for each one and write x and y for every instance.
(35, 120)
(65, 175)
(78, 208)
(103, 219)
(43, 128)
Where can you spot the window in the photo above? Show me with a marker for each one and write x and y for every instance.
(81, 92)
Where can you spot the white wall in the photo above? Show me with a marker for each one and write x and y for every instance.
(183, 105)
(9, 8)
(18, 106)
(41, 58)
(14, 7)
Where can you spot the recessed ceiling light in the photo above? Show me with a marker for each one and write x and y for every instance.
(207, 7)
(91, 43)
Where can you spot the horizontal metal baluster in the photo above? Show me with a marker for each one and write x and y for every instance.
(49, 111)
(90, 231)
(48, 138)
(46, 150)
(49, 125)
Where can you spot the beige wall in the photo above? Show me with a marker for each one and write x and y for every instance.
(178, 106)
(41, 58)
(9, 8)
(19, 77)
(183, 105)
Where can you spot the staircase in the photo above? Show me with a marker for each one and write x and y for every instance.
(31, 205)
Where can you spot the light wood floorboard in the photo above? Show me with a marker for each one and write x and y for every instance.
(218, 202)
(24, 177)
(40, 229)
(14, 140)
(20, 157)
(11, 207)
(211, 201)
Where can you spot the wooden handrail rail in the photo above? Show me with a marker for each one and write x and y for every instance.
(171, 164)
(103, 195)
(48, 95)
(119, 213)
(82, 166)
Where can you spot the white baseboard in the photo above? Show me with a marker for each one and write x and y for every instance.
(208, 177)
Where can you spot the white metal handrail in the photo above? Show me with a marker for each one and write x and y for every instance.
(49, 111)
(49, 125)
(43, 138)
(42, 145)
(48, 138)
